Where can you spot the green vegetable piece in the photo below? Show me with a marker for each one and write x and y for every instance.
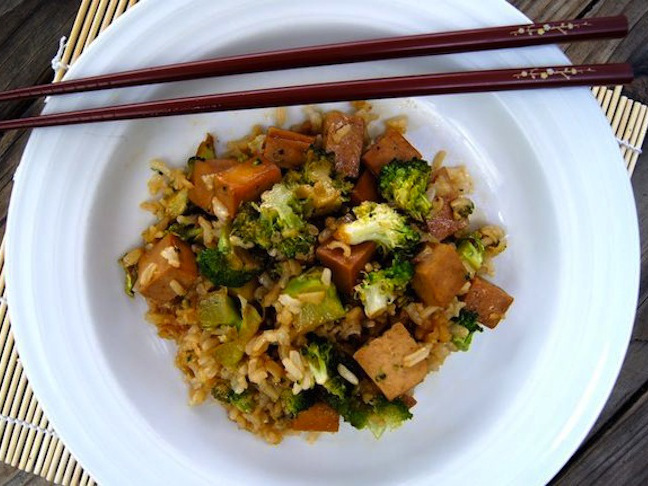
(185, 232)
(250, 323)
(404, 183)
(472, 251)
(229, 354)
(313, 315)
(218, 309)
(228, 265)
(177, 204)
(336, 386)
(293, 404)
(206, 149)
(467, 319)
(380, 288)
(130, 277)
(380, 223)
(243, 401)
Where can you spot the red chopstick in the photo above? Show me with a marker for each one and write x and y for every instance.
(347, 52)
(431, 84)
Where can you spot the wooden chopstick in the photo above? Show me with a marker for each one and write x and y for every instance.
(346, 52)
(431, 84)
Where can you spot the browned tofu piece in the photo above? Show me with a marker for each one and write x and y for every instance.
(439, 275)
(408, 400)
(166, 270)
(344, 136)
(389, 146)
(285, 148)
(318, 418)
(443, 224)
(366, 189)
(384, 360)
(345, 270)
(202, 178)
(489, 302)
(244, 182)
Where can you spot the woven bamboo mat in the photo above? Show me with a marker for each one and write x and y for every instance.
(27, 440)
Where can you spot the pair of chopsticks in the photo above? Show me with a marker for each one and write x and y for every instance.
(560, 31)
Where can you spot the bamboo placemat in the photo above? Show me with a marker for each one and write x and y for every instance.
(27, 440)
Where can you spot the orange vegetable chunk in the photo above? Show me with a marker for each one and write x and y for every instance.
(244, 182)
(202, 178)
(318, 418)
(285, 148)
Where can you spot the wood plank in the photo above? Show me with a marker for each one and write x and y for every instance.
(550, 9)
(631, 49)
(620, 454)
(631, 385)
(29, 38)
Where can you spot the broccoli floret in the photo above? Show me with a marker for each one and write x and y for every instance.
(404, 184)
(382, 224)
(386, 414)
(336, 386)
(243, 401)
(381, 287)
(228, 265)
(317, 184)
(318, 355)
(293, 404)
(277, 224)
(323, 359)
(472, 251)
(468, 320)
(377, 415)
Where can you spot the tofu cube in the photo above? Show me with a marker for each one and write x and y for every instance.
(389, 146)
(166, 270)
(366, 189)
(489, 302)
(383, 359)
(344, 136)
(443, 224)
(285, 148)
(345, 270)
(439, 275)
(202, 177)
(244, 182)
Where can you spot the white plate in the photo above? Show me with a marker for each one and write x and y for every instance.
(511, 411)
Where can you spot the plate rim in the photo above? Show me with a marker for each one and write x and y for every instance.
(11, 263)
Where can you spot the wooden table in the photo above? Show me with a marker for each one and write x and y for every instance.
(616, 450)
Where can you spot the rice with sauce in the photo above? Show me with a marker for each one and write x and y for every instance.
(256, 372)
